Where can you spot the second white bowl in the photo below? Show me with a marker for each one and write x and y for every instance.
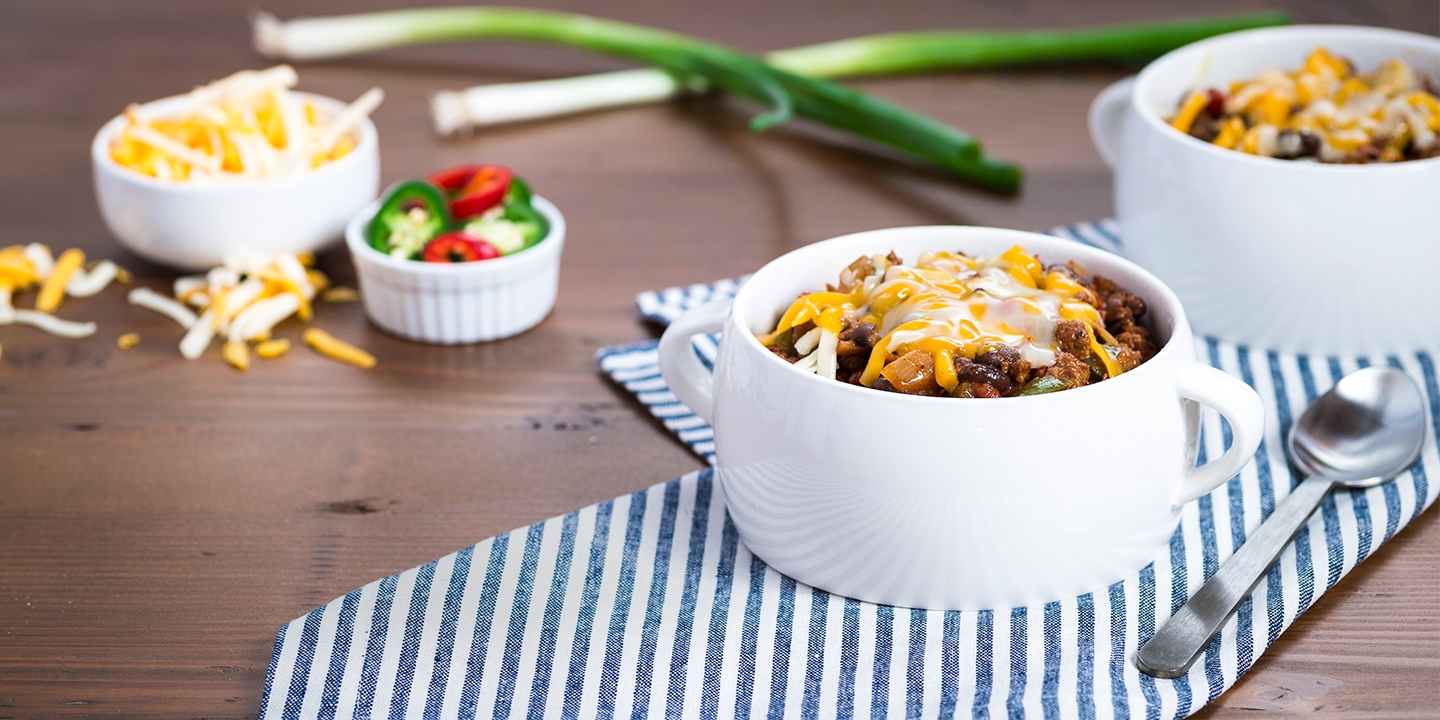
(452, 303)
(194, 227)
(1279, 254)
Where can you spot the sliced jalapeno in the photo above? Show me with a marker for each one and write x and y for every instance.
(1042, 385)
(414, 211)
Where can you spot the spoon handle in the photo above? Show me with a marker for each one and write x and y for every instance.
(1171, 651)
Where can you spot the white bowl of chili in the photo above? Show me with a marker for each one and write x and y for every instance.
(193, 226)
(950, 503)
(461, 302)
(1282, 254)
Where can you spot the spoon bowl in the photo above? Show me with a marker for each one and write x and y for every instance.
(1366, 430)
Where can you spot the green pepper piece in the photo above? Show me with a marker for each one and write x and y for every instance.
(1042, 385)
(1098, 370)
(534, 225)
(519, 191)
(785, 341)
(414, 211)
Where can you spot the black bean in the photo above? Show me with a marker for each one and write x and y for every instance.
(983, 373)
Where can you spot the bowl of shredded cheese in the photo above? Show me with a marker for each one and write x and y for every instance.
(242, 165)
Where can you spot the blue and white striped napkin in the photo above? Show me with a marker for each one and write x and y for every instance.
(649, 606)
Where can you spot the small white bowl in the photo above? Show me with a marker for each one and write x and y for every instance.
(193, 227)
(451, 303)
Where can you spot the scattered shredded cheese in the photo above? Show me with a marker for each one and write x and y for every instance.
(237, 354)
(84, 284)
(242, 302)
(32, 266)
(271, 349)
(54, 325)
(340, 294)
(147, 298)
(327, 345)
(53, 289)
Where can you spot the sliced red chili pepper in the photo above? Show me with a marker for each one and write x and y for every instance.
(473, 189)
(459, 246)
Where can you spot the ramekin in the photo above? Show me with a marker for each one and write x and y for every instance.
(194, 227)
(453, 303)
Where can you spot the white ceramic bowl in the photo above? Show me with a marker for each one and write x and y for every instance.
(194, 227)
(943, 503)
(1278, 254)
(450, 303)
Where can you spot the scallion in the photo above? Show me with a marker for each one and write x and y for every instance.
(784, 92)
(891, 53)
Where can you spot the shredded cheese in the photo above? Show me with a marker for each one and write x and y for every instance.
(246, 126)
(271, 349)
(335, 349)
(53, 289)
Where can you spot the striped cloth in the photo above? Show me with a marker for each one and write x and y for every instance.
(649, 606)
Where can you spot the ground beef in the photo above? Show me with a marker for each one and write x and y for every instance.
(1206, 126)
(1073, 338)
(985, 390)
(852, 365)
(1129, 359)
(1071, 369)
(1121, 307)
(1137, 339)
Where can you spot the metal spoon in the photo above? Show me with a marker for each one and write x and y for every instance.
(1366, 430)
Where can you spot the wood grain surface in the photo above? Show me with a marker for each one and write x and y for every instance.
(160, 519)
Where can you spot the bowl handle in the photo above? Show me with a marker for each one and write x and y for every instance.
(1107, 119)
(691, 381)
(1238, 404)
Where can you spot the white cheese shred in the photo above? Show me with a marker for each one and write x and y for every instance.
(198, 338)
(151, 300)
(54, 325)
(805, 343)
(826, 362)
(84, 284)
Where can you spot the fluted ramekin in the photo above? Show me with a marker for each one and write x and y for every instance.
(452, 303)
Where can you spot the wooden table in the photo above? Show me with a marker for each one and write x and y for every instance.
(160, 519)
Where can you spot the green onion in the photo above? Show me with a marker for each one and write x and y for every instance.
(910, 52)
(784, 92)
(870, 55)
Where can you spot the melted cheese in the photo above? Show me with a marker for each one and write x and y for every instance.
(953, 305)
